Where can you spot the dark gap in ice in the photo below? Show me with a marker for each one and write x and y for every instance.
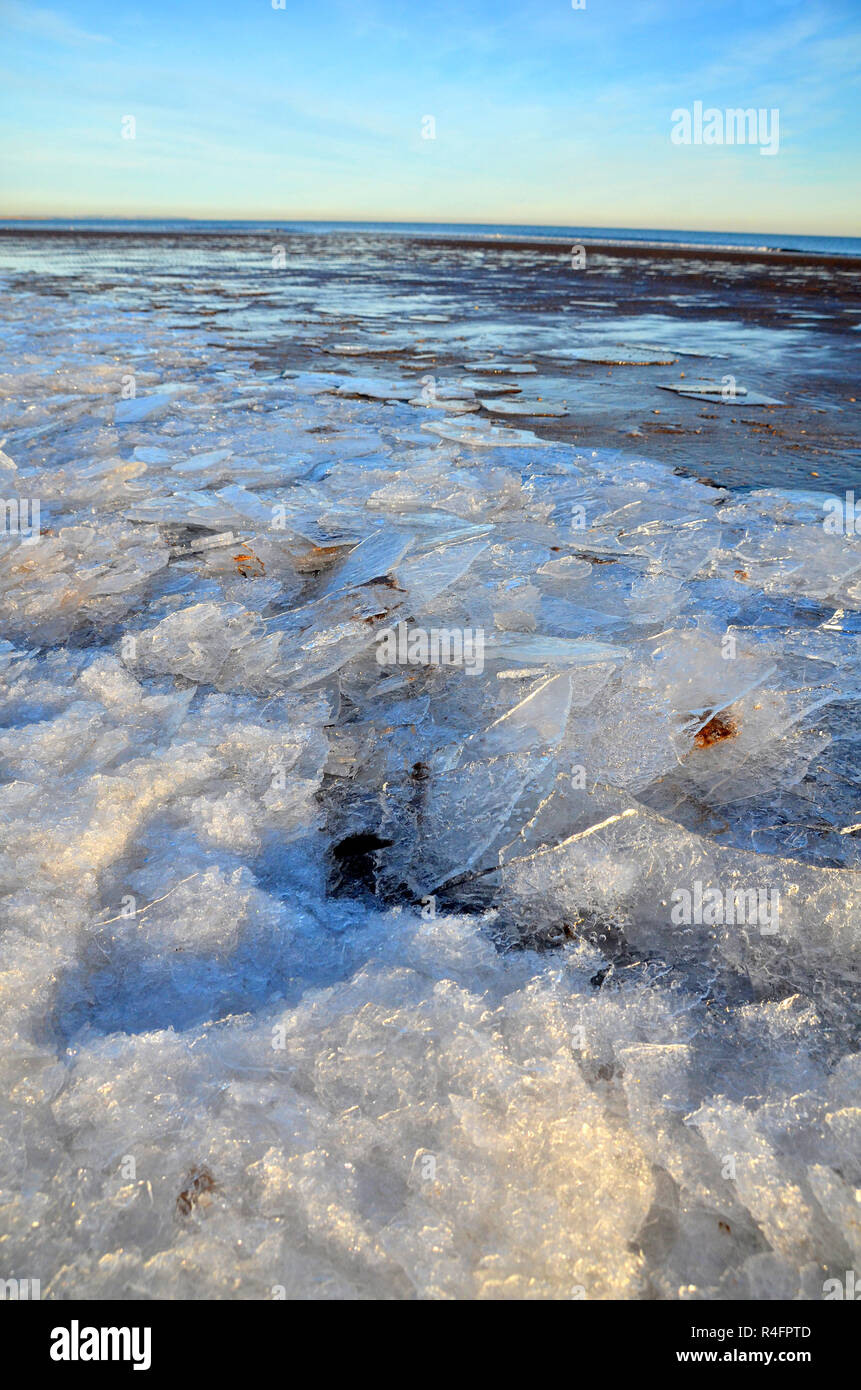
(354, 864)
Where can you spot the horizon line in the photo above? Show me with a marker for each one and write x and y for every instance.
(410, 222)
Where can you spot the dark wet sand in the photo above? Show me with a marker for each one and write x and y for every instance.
(782, 322)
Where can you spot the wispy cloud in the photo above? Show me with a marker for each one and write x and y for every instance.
(47, 24)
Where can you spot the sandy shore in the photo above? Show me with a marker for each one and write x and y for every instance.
(653, 250)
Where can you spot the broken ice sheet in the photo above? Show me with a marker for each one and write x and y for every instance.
(502, 368)
(490, 385)
(203, 463)
(488, 436)
(458, 405)
(538, 721)
(376, 388)
(197, 642)
(550, 651)
(719, 393)
(363, 349)
(536, 408)
(434, 529)
(185, 508)
(803, 559)
(679, 351)
(697, 682)
(436, 390)
(425, 576)
(104, 481)
(374, 558)
(79, 577)
(461, 831)
(442, 827)
(660, 1080)
(840, 1203)
(623, 355)
(771, 1185)
(629, 867)
(309, 644)
(449, 396)
(144, 407)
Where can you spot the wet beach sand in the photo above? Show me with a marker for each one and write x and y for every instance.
(783, 324)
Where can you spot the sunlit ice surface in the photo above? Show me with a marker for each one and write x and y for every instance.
(521, 963)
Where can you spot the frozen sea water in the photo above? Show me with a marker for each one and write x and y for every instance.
(537, 980)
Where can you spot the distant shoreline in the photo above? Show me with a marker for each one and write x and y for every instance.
(651, 250)
(551, 242)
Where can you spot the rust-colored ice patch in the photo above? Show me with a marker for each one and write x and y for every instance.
(719, 727)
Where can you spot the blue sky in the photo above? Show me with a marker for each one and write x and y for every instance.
(543, 113)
